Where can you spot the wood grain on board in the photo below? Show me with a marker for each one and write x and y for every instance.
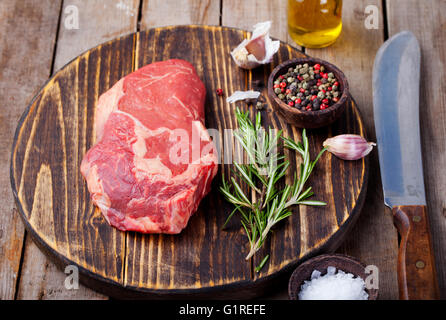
(40, 278)
(26, 45)
(374, 239)
(204, 259)
(427, 20)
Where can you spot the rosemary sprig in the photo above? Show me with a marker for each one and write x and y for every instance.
(263, 170)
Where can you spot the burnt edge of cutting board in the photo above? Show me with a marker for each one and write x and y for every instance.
(247, 288)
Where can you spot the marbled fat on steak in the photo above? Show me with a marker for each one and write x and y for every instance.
(154, 160)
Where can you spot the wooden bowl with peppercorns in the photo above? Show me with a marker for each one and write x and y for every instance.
(308, 92)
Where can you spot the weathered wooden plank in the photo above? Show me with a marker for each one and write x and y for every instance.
(373, 240)
(244, 14)
(26, 46)
(159, 13)
(360, 57)
(99, 21)
(427, 20)
(40, 277)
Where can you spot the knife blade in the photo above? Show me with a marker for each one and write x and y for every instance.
(396, 76)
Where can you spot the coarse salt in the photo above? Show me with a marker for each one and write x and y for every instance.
(333, 286)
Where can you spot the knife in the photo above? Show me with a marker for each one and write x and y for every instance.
(396, 77)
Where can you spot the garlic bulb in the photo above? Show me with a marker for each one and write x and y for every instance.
(349, 146)
(258, 50)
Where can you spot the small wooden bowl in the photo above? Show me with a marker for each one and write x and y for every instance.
(309, 119)
(321, 263)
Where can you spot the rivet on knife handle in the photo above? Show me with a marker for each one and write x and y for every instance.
(417, 279)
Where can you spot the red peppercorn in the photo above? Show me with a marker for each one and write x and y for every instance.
(323, 91)
(282, 90)
(291, 103)
(309, 106)
(298, 100)
(317, 66)
(325, 76)
(282, 84)
(276, 85)
(336, 84)
(329, 88)
(288, 91)
(335, 99)
(313, 97)
(299, 78)
(219, 92)
(302, 90)
(325, 101)
(281, 77)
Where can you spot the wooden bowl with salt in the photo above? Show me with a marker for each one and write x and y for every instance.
(321, 263)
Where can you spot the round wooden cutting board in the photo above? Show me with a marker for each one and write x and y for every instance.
(203, 261)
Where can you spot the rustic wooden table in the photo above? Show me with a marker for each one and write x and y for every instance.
(39, 36)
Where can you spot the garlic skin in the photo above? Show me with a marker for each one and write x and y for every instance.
(242, 95)
(258, 50)
(349, 146)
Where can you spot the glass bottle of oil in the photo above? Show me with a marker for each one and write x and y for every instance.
(314, 23)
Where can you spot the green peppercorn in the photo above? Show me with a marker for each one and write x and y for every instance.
(290, 80)
(281, 96)
(277, 90)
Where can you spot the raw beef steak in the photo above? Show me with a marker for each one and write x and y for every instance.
(154, 160)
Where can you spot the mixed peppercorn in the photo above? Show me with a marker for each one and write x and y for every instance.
(308, 88)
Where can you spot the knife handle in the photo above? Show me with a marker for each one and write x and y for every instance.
(417, 279)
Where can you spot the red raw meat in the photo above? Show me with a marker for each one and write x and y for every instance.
(141, 173)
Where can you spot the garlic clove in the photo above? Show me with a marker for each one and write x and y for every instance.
(256, 47)
(258, 50)
(349, 146)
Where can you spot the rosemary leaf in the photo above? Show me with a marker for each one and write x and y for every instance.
(262, 263)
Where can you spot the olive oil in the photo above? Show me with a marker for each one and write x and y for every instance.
(314, 23)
